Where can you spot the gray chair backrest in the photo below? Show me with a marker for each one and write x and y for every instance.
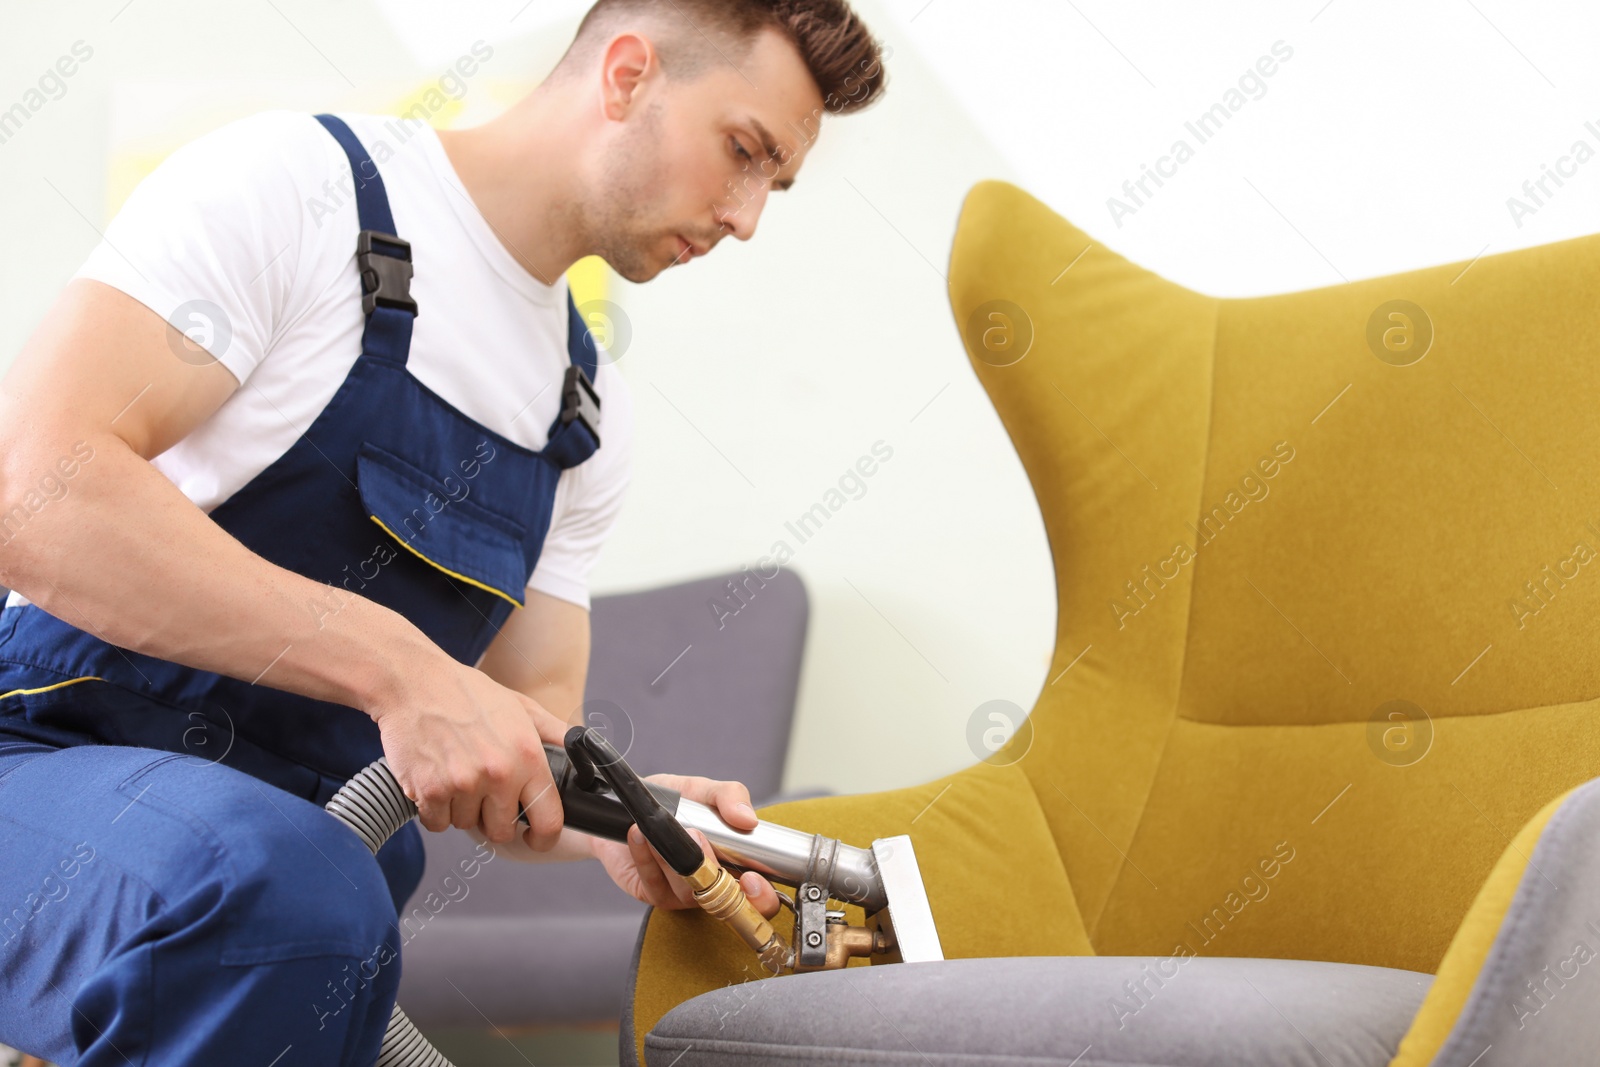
(704, 674)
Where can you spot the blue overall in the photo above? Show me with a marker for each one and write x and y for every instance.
(171, 891)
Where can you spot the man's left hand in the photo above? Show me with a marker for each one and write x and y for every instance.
(641, 872)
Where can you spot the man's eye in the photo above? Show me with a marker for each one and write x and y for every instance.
(739, 147)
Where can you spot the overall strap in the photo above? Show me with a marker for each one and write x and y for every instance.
(581, 347)
(382, 258)
(575, 434)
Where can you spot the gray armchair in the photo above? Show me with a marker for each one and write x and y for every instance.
(682, 686)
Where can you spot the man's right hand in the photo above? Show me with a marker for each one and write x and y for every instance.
(466, 749)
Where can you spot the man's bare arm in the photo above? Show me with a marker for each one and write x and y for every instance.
(542, 652)
(125, 555)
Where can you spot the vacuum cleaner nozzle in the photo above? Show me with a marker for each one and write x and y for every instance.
(601, 795)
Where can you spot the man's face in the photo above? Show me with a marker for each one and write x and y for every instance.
(689, 163)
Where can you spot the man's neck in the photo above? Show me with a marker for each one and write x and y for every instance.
(512, 167)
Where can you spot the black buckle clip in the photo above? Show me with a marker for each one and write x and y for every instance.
(385, 274)
(580, 401)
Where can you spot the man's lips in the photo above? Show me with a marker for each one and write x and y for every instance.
(687, 249)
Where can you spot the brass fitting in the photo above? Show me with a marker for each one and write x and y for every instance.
(721, 896)
(847, 941)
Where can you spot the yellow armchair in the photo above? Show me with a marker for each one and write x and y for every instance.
(1328, 604)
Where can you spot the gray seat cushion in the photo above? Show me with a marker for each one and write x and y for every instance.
(1086, 1011)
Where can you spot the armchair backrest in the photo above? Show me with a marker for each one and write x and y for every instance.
(1328, 573)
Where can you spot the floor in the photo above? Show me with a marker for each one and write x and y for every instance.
(547, 1048)
(570, 1047)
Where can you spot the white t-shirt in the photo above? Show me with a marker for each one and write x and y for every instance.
(258, 218)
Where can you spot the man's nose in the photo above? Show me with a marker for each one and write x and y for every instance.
(741, 210)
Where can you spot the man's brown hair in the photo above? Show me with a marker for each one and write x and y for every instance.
(842, 55)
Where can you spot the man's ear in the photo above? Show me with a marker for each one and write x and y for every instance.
(627, 63)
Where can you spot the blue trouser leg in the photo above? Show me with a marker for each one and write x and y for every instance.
(156, 909)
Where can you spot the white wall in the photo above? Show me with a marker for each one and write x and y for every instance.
(1392, 138)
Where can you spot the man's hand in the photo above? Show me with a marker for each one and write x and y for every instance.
(640, 871)
(466, 749)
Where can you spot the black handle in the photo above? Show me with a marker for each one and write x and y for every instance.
(587, 804)
(594, 756)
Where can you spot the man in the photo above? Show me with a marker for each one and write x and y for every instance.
(353, 516)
